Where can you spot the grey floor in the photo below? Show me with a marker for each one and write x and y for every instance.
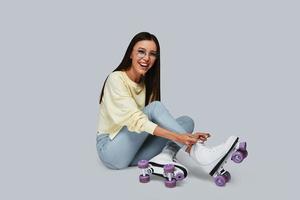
(233, 66)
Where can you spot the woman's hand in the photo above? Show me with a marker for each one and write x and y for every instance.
(201, 136)
(190, 139)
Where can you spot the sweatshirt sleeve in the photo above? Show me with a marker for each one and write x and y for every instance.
(123, 109)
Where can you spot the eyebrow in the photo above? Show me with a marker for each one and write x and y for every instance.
(146, 50)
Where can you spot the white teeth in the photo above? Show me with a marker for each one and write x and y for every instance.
(144, 65)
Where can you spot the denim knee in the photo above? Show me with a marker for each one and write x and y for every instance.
(157, 108)
(188, 122)
(155, 104)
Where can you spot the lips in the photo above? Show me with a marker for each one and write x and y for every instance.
(144, 66)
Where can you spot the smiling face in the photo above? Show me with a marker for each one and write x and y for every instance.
(143, 57)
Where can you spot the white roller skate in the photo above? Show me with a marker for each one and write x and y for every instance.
(212, 159)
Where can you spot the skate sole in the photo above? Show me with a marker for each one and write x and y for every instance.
(162, 166)
(220, 163)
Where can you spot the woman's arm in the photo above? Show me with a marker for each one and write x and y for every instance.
(183, 138)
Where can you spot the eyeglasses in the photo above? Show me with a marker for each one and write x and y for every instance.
(141, 53)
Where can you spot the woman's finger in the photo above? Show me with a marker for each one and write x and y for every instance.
(188, 149)
(207, 135)
(193, 140)
(203, 139)
(197, 135)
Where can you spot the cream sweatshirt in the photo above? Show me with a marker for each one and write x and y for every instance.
(122, 104)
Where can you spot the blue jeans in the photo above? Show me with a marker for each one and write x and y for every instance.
(127, 148)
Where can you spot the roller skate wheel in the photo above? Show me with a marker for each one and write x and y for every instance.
(243, 146)
(170, 184)
(169, 168)
(179, 176)
(238, 156)
(220, 180)
(143, 164)
(227, 176)
(144, 179)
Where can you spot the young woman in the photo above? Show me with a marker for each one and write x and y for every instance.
(134, 125)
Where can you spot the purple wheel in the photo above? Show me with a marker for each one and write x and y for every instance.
(169, 168)
(170, 184)
(179, 176)
(144, 179)
(220, 181)
(243, 146)
(143, 164)
(238, 156)
(227, 176)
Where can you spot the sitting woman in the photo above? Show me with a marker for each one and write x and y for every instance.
(134, 125)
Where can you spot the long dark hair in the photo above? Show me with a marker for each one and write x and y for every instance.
(152, 77)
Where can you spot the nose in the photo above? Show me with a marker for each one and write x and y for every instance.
(146, 57)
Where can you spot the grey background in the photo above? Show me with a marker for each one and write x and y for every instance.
(233, 66)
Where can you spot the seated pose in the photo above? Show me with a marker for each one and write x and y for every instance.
(133, 123)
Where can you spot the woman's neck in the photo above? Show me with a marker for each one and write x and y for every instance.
(133, 76)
